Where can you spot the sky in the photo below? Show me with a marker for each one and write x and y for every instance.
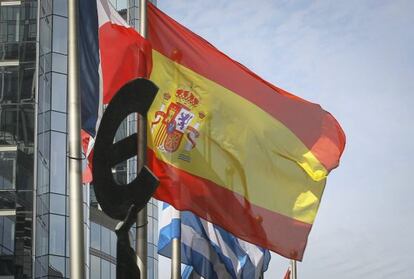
(356, 59)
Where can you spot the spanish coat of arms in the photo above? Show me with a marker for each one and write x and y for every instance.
(177, 119)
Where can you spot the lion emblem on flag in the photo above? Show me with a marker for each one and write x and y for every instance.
(177, 119)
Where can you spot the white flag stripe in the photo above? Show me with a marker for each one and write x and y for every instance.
(107, 13)
(216, 238)
(198, 243)
(211, 251)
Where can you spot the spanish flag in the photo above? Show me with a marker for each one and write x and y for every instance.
(233, 148)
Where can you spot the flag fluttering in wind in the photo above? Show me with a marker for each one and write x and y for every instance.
(189, 273)
(210, 250)
(111, 54)
(233, 148)
(225, 144)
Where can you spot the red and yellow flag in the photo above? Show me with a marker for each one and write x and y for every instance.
(233, 148)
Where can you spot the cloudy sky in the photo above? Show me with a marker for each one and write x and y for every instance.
(356, 59)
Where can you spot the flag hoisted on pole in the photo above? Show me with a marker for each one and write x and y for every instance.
(211, 251)
(77, 243)
(233, 148)
(107, 41)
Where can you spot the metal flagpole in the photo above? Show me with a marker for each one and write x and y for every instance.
(77, 244)
(293, 273)
(142, 218)
(176, 253)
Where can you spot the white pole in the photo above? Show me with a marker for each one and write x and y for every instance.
(142, 218)
(77, 244)
(176, 253)
(293, 273)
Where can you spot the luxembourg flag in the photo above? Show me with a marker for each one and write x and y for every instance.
(111, 54)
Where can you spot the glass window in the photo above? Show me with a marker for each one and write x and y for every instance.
(46, 8)
(45, 34)
(10, 19)
(7, 228)
(8, 159)
(9, 82)
(57, 235)
(8, 127)
(67, 268)
(45, 84)
(44, 147)
(43, 164)
(42, 237)
(150, 270)
(57, 266)
(45, 63)
(106, 270)
(59, 62)
(41, 266)
(42, 204)
(58, 120)
(119, 173)
(150, 229)
(113, 271)
(151, 250)
(8, 199)
(24, 176)
(60, 34)
(27, 86)
(67, 254)
(59, 92)
(8, 51)
(57, 204)
(24, 201)
(95, 236)
(105, 240)
(43, 121)
(58, 163)
(113, 244)
(155, 270)
(60, 8)
(25, 123)
(95, 267)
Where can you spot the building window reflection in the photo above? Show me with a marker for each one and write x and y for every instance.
(8, 167)
(57, 235)
(7, 234)
(7, 226)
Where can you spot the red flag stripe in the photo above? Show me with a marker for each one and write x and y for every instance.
(260, 226)
(315, 127)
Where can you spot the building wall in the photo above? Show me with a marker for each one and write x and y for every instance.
(17, 101)
(33, 163)
(52, 211)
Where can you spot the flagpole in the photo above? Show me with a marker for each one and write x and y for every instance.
(142, 218)
(77, 244)
(293, 274)
(176, 253)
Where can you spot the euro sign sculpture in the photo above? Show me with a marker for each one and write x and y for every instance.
(122, 202)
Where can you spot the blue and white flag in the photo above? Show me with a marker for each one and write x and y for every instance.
(210, 250)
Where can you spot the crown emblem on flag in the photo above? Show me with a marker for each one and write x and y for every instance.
(179, 118)
(187, 98)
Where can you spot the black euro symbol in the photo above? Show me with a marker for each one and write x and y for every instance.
(116, 200)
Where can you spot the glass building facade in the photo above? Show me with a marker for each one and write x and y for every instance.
(34, 223)
(17, 148)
